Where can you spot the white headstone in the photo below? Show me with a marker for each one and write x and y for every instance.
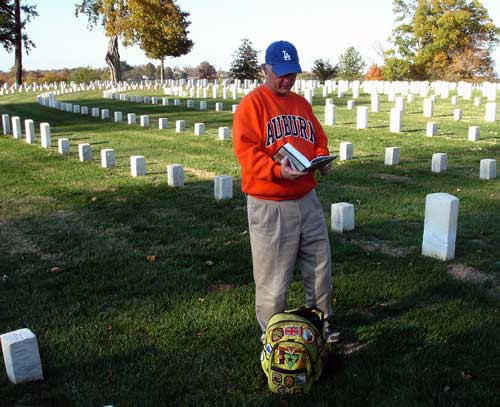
(21, 356)
(428, 107)
(346, 150)
(45, 135)
(84, 110)
(223, 187)
(29, 130)
(118, 116)
(107, 158)
(175, 175)
(432, 129)
(488, 169)
(330, 114)
(177, 102)
(375, 102)
(396, 116)
(190, 104)
(474, 133)
(454, 100)
(180, 125)
(162, 123)
(342, 217)
(203, 105)
(76, 109)
(84, 152)
(144, 120)
(63, 146)
(399, 103)
(224, 133)
(165, 101)
(350, 104)
(491, 112)
(137, 165)
(458, 114)
(199, 129)
(477, 101)
(392, 156)
(104, 114)
(362, 117)
(95, 112)
(440, 226)
(131, 119)
(439, 162)
(219, 107)
(16, 127)
(234, 107)
(5, 124)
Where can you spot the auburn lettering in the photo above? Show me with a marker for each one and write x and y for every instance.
(289, 126)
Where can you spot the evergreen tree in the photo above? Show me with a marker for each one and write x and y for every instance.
(351, 65)
(12, 35)
(323, 70)
(245, 63)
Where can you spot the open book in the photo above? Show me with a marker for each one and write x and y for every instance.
(298, 161)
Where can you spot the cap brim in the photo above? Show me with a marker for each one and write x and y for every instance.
(285, 69)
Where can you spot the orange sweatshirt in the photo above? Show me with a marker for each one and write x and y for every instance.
(263, 122)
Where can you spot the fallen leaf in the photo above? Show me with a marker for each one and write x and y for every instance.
(201, 299)
(446, 389)
(459, 190)
(56, 269)
(93, 199)
(152, 258)
(209, 263)
(244, 232)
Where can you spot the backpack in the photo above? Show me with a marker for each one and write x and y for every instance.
(294, 350)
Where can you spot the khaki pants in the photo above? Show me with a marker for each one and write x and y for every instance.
(282, 234)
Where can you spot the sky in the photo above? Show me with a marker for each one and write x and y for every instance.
(318, 28)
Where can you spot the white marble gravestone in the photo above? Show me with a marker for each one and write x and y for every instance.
(107, 158)
(137, 165)
(458, 114)
(6, 124)
(199, 129)
(175, 175)
(180, 125)
(474, 133)
(16, 127)
(488, 169)
(63, 146)
(104, 114)
(362, 117)
(162, 123)
(118, 117)
(131, 119)
(224, 133)
(330, 114)
(29, 131)
(342, 217)
(396, 117)
(219, 107)
(21, 356)
(428, 107)
(84, 152)
(491, 112)
(440, 226)
(392, 156)
(432, 129)
(45, 135)
(144, 119)
(439, 162)
(203, 105)
(346, 150)
(223, 187)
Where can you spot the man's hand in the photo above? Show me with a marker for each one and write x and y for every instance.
(287, 172)
(326, 169)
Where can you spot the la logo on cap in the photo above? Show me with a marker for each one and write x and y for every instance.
(286, 56)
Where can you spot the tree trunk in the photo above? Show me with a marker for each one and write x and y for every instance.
(113, 59)
(19, 43)
(161, 72)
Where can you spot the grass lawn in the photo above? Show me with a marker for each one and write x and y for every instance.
(141, 294)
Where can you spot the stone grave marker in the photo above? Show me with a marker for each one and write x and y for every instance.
(5, 124)
(29, 130)
(163, 123)
(440, 226)
(175, 175)
(16, 127)
(84, 152)
(488, 169)
(219, 107)
(346, 150)
(224, 133)
(118, 117)
(474, 133)
(45, 135)
(144, 120)
(342, 217)
(396, 117)
(180, 126)
(330, 114)
(137, 165)
(223, 187)
(439, 162)
(432, 129)
(63, 146)
(362, 117)
(21, 356)
(199, 129)
(131, 119)
(392, 156)
(107, 158)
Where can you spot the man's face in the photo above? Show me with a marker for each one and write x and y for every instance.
(280, 85)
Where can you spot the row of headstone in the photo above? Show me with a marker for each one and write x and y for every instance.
(440, 224)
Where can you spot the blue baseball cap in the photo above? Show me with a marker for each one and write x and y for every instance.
(283, 58)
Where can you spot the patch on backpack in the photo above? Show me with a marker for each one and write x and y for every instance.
(276, 378)
(276, 334)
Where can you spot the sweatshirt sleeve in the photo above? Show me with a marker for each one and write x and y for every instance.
(247, 143)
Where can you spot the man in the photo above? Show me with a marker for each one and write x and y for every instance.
(286, 221)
